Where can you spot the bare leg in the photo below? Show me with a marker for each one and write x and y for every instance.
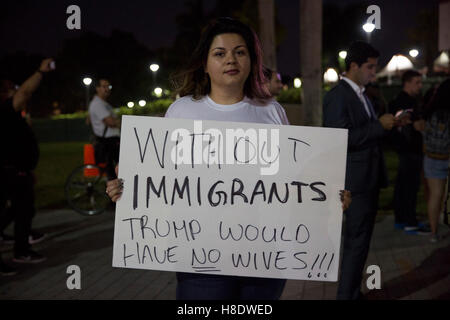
(434, 205)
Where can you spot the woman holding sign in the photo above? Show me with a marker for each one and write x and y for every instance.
(224, 81)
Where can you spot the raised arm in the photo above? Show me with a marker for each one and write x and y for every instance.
(23, 94)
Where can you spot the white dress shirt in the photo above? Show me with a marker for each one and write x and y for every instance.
(360, 93)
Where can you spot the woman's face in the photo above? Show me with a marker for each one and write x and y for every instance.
(228, 63)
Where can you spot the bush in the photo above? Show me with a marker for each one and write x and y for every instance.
(291, 95)
(156, 107)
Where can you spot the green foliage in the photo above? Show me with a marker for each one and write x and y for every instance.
(156, 107)
(75, 115)
(291, 95)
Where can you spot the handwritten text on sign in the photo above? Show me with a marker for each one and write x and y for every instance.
(230, 198)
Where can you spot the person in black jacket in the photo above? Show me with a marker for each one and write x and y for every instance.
(408, 142)
(19, 161)
(347, 106)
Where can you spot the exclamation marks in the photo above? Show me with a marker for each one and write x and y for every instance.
(319, 269)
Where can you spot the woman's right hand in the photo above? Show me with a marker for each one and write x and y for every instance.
(114, 188)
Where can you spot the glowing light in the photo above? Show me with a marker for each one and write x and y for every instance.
(399, 62)
(142, 103)
(297, 83)
(87, 81)
(413, 53)
(368, 27)
(158, 92)
(330, 75)
(343, 54)
(154, 67)
(130, 104)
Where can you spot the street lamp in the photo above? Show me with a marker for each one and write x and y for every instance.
(130, 104)
(158, 92)
(343, 54)
(368, 28)
(297, 83)
(330, 76)
(154, 67)
(414, 53)
(87, 82)
(142, 103)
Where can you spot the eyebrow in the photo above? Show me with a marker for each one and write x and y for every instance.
(221, 48)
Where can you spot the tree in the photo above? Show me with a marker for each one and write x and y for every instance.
(310, 60)
(425, 36)
(267, 32)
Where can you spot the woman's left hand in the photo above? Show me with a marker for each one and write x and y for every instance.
(346, 199)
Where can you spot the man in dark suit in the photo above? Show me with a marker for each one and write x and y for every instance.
(346, 106)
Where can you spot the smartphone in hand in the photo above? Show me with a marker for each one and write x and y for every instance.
(403, 117)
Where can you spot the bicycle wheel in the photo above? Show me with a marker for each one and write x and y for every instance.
(85, 190)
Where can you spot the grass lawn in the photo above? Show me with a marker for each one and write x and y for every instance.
(59, 159)
(56, 162)
(387, 194)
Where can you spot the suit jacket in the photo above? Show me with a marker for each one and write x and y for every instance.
(366, 169)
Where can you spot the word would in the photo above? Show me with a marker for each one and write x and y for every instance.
(252, 233)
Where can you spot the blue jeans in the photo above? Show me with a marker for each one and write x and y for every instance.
(193, 286)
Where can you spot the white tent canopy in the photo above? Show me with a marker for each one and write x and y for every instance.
(397, 63)
(443, 60)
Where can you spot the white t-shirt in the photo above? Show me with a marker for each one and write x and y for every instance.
(99, 109)
(247, 110)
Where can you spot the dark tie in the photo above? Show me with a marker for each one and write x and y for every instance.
(369, 104)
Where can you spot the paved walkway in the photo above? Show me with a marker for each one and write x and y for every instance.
(411, 267)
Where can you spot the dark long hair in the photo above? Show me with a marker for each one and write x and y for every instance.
(440, 100)
(192, 80)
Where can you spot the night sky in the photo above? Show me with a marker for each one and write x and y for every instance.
(40, 26)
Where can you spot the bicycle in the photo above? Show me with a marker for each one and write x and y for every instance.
(85, 186)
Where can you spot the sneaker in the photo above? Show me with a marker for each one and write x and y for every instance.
(420, 231)
(36, 237)
(6, 270)
(29, 257)
(6, 239)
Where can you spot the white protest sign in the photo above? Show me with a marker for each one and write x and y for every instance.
(230, 198)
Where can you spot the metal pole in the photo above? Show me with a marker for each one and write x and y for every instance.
(87, 97)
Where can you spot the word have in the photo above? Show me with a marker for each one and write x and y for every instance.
(217, 195)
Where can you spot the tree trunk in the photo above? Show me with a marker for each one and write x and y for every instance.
(310, 60)
(267, 32)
